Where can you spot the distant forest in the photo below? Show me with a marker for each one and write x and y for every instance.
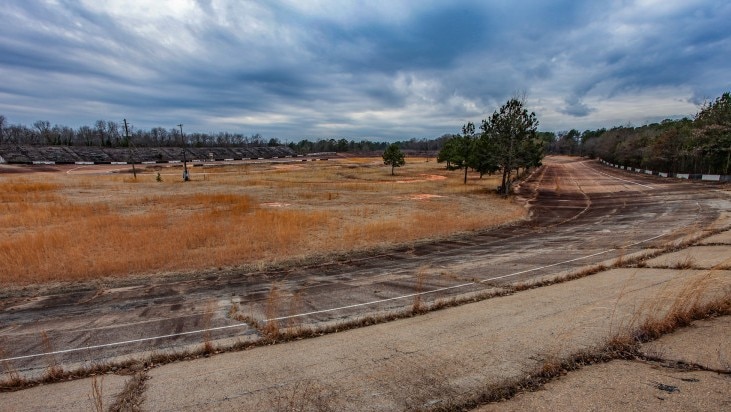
(698, 145)
(107, 133)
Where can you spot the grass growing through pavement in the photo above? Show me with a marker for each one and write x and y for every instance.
(662, 315)
(97, 393)
(132, 396)
(61, 227)
(695, 300)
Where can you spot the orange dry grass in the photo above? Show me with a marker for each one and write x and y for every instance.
(112, 244)
(76, 241)
(65, 227)
(420, 225)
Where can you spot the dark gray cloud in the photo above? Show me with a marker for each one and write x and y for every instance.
(575, 107)
(380, 69)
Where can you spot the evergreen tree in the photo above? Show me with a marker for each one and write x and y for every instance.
(512, 130)
(393, 157)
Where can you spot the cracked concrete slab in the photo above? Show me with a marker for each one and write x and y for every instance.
(705, 342)
(697, 257)
(626, 386)
(639, 385)
(720, 238)
(418, 361)
(412, 362)
(64, 396)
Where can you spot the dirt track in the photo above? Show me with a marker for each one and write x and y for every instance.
(582, 213)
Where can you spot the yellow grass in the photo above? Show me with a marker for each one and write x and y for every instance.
(63, 227)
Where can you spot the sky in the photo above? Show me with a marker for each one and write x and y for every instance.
(376, 69)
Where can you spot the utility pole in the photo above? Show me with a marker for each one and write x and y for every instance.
(186, 177)
(129, 146)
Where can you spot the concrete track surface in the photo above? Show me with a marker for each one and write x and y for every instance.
(581, 213)
(651, 386)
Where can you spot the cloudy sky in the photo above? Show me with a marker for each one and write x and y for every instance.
(375, 69)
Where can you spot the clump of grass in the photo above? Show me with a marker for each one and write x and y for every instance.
(132, 396)
(619, 262)
(584, 272)
(302, 396)
(271, 327)
(418, 306)
(689, 305)
(206, 324)
(97, 393)
(685, 263)
(54, 371)
(13, 378)
(295, 307)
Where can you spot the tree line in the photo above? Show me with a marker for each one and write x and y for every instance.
(108, 133)
(699, 145)
(344, 145)
(508, 141)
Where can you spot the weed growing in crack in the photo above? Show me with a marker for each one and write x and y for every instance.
(426, 388)
(96, 395)
(13, 376)
(132, 396)
(418, 306)
(685, 263)
(587, 271)
(271, 311)
(302, 396)
(295, 307)
(206, 325)
(623, 344)
(619, 262)
(54, 371)
(233, 311)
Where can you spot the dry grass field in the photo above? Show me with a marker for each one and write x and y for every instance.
(63, 226)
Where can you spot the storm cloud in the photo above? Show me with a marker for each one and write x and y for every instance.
(377, 69)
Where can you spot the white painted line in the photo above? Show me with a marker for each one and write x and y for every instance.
(238, 325)
(374, 302)
(126, 342)
(548, 266)
(623, 180)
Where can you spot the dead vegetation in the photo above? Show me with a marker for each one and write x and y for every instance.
(132, 396)
(686, 307)
(418, 306)
(302, 396)
(62, 227)
(695, 300)
(97, 393)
